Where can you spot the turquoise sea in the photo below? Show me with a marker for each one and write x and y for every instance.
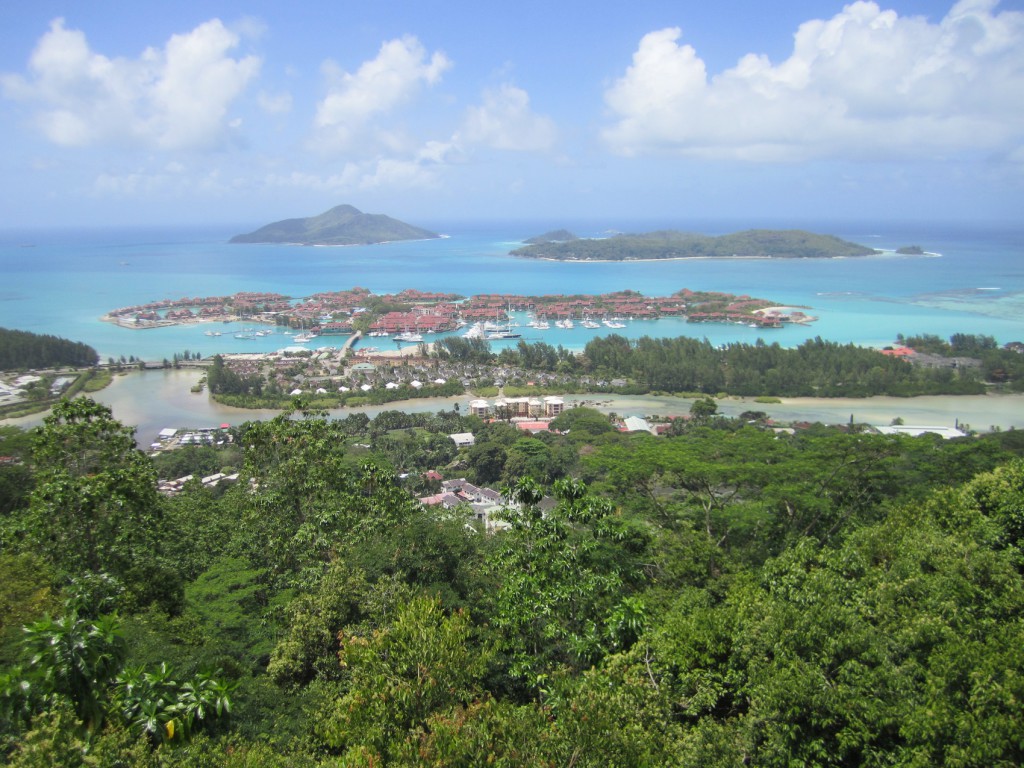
(61, 281)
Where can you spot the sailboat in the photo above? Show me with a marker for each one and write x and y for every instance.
(500, 334)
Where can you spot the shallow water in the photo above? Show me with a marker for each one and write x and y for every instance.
(153, 400)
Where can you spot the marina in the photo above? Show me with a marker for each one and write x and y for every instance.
(75, 277)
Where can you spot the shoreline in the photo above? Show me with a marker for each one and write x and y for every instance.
(152, 400)
(881, 252)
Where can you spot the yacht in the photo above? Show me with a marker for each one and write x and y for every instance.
(408, 336)
(476, 331)
(507, 333)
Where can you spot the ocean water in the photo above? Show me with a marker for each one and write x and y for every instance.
(62, 281)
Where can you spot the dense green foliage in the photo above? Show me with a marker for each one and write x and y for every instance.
(668, 244)
(999, 366)
(223, 381)
(815, 368)
(21, 350)
(721, 596)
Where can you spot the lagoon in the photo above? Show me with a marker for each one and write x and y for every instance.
(152, 400)
(62, 281)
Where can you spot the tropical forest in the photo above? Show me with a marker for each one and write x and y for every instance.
(721, 593)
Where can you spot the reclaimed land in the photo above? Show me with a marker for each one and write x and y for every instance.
(340, 312)
(671, 244)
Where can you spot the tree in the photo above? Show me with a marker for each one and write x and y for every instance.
(703, 409)
(582, 423)
(562, 576)
(95, 507)
(77, 657)
(424, 662)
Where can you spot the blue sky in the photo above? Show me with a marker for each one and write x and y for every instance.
(222, 112)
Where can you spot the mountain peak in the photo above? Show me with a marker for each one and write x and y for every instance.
(341, 225)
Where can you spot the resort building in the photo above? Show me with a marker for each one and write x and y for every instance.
(553, 406)
(510, 408)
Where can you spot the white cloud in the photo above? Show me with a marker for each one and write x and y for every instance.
(275, 103)
(504, 121)
(343, 181)
(864, 83)
(401, 174)
(171, 98)
(400, 69)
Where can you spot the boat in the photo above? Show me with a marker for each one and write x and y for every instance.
(588, 323)
(476, 331)
(303, 338)
(505, 334)
(497, 332)
(542, 325)
(408, 336)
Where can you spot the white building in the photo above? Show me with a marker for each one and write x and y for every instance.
(463, 439)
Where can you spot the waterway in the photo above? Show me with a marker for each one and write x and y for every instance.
(153, 400)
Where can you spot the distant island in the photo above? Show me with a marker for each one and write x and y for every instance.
(910, 250)
(556, 236)
(342, 225)
(670, 244)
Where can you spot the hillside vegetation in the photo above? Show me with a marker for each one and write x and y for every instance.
(723, 595)
(23, 349)
(670, 244)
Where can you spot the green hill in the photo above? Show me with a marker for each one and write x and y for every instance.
(557, 236)
(24, 349)
(342, 225)
(670, 244)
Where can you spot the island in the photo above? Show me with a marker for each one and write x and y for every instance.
(411, 312)
(671, 244)
(342, 225)
(910, 250)
(555, 236)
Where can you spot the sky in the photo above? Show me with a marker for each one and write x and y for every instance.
(217, 112)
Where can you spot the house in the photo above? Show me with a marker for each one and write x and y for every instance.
(463, 439)
(364, 368)
(533, 426)
(636, 424)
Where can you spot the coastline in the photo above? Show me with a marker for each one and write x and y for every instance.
(881, 253)
(152, 400)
